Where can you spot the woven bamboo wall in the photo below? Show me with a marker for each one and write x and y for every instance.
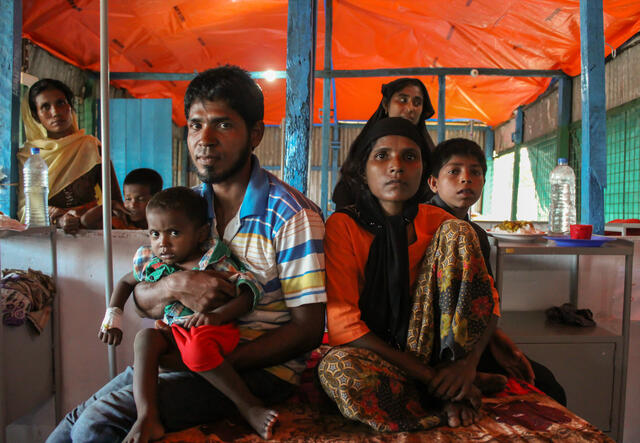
(270, 151)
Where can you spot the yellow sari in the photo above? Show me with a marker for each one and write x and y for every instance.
(68, 158)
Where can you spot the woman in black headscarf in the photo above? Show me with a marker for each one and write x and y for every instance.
(410, 303)
(404, 97)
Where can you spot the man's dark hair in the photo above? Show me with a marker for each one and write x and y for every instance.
(232, 85)
(456, 146)
(146, 177)
(184, 200)
(46, 84)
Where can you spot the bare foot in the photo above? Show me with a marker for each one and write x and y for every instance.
(459, 413)
(474, 398)
(261, 419)
(490, 383)
(145, 429)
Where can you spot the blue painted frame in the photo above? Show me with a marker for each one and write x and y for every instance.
(353, 73)
(518, 135)
(326, 103)
(594, 137)
(489, 143)
(565, 98)
(442, 93)
(300, 62)
(10, 66)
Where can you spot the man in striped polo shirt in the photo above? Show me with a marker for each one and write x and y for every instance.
(272, 228)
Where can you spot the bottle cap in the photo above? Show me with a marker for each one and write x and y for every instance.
(562, 161)
(35, 151)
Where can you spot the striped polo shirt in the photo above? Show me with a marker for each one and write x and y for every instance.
(278, 234)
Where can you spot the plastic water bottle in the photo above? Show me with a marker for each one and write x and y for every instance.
(36, 190)
(562, 211)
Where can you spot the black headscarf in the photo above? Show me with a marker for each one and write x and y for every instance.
(385, 302)
(343, 193)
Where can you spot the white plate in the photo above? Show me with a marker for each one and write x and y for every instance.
(524, 238)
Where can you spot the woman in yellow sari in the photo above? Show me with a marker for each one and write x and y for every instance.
(73, 157)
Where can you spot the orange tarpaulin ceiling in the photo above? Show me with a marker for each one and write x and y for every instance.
(187, 36)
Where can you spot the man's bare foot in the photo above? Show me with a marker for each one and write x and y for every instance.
(145, 429)
(490, 383)
(459, 413)
(261, 419)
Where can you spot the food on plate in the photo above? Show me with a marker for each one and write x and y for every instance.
(515, 227)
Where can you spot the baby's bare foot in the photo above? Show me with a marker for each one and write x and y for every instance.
(262, 420)
(145, 429)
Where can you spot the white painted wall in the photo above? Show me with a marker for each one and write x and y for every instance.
(80, 263)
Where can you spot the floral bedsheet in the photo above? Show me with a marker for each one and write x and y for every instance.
(520, 413)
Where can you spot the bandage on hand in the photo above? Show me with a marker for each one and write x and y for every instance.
(112, 319)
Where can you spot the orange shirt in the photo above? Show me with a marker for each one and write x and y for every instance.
(346, 248)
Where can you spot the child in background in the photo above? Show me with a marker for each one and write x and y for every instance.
(138, 188)
(178, 229)
(457, 178)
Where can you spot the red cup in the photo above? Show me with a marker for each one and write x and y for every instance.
(581, 232)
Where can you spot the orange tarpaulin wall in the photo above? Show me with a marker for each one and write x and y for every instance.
(184, 36)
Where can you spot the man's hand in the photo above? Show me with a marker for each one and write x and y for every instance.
(510, 357)
(202, 291)
(453, 380)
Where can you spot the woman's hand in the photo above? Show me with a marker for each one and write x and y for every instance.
(55, 213)
(453, 380)
(118, 209)
(69, 222)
